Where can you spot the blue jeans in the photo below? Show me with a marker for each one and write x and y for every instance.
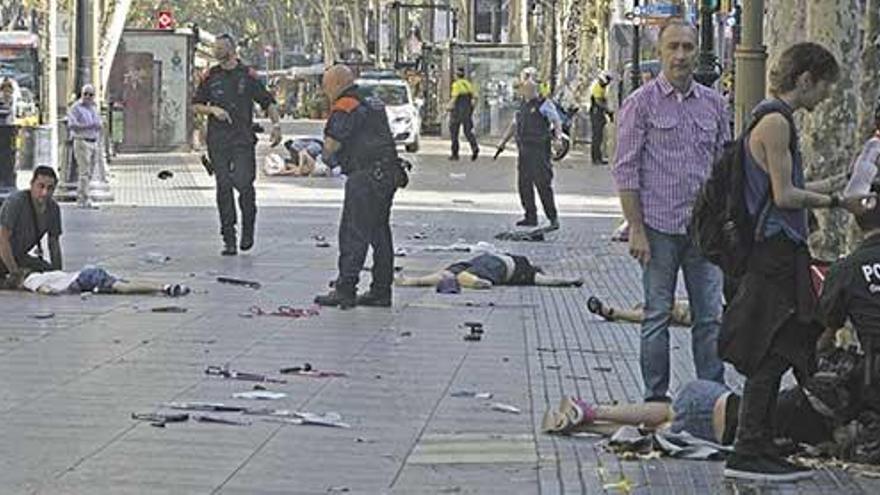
(703, 281)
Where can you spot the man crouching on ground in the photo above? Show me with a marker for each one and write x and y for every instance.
(25, 217)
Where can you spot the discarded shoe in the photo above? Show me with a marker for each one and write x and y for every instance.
(375, 300)
(335, 298)
(572, 413)
(595, 306)
(176, 290)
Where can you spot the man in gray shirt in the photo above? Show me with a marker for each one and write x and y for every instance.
(25, 217)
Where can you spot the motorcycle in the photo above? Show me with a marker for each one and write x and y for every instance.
(559, 148)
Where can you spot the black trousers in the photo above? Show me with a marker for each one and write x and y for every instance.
(597, 123)
(757, 411)
(534, 171)
(365, 223)
(234, 168)
(467, 122)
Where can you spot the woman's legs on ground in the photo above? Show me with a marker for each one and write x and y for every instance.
(423, 281)
(470, 281)
(551, 281)
(137, 287)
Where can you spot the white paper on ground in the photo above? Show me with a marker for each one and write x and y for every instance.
(259, 395)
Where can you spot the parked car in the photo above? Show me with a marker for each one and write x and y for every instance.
(404, 112)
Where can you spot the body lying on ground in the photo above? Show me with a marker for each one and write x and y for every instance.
(490, 269)
(681, 312)
(95, 280)
(833, 411)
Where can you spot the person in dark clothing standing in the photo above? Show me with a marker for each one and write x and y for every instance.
(7, 135)
(599, 114)
(357, 138)
(227, 95)
(770, 325)
(535, 124)
(461, 112)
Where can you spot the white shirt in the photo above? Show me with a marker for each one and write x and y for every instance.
(55, 282)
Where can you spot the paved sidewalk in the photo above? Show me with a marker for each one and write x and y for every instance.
(74, 379)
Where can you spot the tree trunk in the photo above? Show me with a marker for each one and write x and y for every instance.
(358, 40)
(870, 61)
(828, 137)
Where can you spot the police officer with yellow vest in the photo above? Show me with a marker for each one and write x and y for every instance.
(461, 112)
(357, 137)
(599, 115)
(227, 95)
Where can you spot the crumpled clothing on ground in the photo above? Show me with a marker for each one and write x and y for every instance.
(629, 441)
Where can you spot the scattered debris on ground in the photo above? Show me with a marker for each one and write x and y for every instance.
(505, 408)
(471, 394)
(283, 310)
(259, 395)
(241, 282)
(169, 309)
(225, 372)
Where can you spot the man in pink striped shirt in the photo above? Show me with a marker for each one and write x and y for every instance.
(669, 133)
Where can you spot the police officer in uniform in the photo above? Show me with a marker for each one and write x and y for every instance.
(535, 123)
(461, 112)
(599, 114)
(227, 95)
(357, 138)
(851, 290)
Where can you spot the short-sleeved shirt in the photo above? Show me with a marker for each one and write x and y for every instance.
(235, 91)
(17, 215)
(852, 290)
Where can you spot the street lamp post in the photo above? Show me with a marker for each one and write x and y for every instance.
(636, 75)
(706, 72)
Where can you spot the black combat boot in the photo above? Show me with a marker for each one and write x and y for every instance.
(336, 298)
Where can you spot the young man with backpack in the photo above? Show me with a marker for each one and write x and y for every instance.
(769, 326)
(670, 131)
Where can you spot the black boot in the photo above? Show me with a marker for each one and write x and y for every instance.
(247, 239)
(229, 247)
(527, 222)
(376, 299)
(336, 298)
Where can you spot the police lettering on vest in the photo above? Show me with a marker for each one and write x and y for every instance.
(359, 123)
(532, 127)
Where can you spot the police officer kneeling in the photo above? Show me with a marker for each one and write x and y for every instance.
(358, 138)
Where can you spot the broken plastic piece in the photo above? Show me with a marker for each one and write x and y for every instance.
(205, 418)
(169, 309)
(203, 406)
(471, 394)
(507, 408)
(161, 417)
(259, 395)
(237, 281)
(225, 372)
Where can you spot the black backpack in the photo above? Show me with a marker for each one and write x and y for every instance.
(721, 226)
